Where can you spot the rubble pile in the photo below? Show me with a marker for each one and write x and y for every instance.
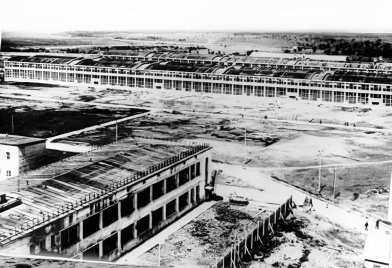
(227, 214)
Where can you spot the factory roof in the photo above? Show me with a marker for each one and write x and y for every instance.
(88, 177)
(14, 140)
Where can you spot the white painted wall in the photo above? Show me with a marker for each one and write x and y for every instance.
(11, 164)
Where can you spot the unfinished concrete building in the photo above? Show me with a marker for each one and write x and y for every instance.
(99, 211)
(321, 78)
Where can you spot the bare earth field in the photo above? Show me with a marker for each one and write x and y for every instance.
(284, 151)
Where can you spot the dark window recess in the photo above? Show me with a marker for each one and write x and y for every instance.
(157, 190)
(70, 236)
(170, 208)
(92, 253)
(143, 225)
(157, 216)
(90, 225)
(108, 245)
(171, 184)
(143, 198)
(127, 206)
(197, 169)
(206, 170)
(192, 195)
(110, 215)
(53, 241)
(183, 176)
(127, 234)
(197, 194)
(183, 201)
(193, 173)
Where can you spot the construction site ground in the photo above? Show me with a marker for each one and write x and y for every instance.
(277, 150)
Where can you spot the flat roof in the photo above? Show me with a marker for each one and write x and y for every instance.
(97, 173)
(14, 140)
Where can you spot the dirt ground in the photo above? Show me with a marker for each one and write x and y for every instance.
(308, 240)
(282, 151)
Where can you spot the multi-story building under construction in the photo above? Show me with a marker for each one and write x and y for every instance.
(308, 77)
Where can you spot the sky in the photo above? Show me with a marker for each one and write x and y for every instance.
(51, 16)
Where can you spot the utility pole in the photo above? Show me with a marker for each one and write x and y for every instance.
(319, 184)
(245, 137)
(334, 185)
(12, 122)
(116, 129)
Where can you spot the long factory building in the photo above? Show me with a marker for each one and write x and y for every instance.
(319, 78)
(112, 199)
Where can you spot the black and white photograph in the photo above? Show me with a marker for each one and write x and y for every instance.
(195, 134)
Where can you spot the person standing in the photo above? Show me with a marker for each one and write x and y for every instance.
(366, 226)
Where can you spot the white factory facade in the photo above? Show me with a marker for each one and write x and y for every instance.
(312, 80)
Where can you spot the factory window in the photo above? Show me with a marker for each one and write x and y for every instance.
(171, 208)
(171, 184)
(140, 82)
(104, 80)
(55, 76)
(197, 86)
(157, 217)
(183, 176)
(91, 225)
(8, 173)
(207, 87)
(69, 236)
(130, 81)
(127, 234)
(157, 190)
(193, 173)
(109, 245)
(183, 201)
(198, 169)
(71, 77)
(143, 225)
(110, 215)
(148, 83)
(227, 89)
(178, 85)
(167, 84)
(113, 80)
(87, 79)
(127, 206)
(143, 198)
(8, 155)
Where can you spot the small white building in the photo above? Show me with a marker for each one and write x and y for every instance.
(18, 153)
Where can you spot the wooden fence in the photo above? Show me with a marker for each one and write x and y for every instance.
(233, 258)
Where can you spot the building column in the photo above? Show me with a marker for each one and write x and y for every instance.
(164, 212)
(81, 230)
(100, 243)
(177, 205)
(135, 202)
(150, 222)
(100, 220)
(119, 210)
(119, 240)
